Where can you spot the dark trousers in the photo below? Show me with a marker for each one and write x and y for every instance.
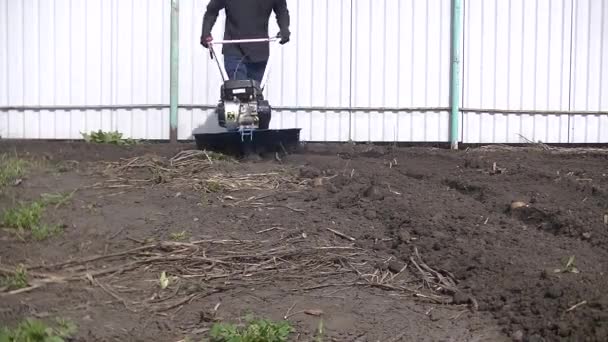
(238, 69)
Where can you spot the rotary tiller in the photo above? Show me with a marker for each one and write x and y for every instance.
(245, 115)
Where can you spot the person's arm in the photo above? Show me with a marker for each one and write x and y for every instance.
(213, 9)
(282, 14)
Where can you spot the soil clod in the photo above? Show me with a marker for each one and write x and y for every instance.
(373, 193)
(554, 292)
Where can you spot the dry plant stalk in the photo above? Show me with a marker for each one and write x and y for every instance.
(543, 147)
(433, 279)
(212, 266)
(193, 169)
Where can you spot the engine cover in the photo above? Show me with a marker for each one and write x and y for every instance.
(239, 115)
(241, 90)
(243, 106)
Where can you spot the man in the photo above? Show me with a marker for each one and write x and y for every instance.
(246, 19)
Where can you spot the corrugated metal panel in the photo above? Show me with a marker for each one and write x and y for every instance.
(589, 128)
(314, 69)
(93, 52)
(516, 57)
(514, 128)
(401, 59)
(589, 91)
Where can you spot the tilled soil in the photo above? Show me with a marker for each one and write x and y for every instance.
(389, 243)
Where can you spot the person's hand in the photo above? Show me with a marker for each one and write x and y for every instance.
(284, 36)
(206, 41)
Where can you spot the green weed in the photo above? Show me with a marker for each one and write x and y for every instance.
(31, 330)
(212, 186)
(320, 332)
(178, 236)
(569, 266)
(11, 169)
(113, 138)
(16, 281)
(27, 217)
(255, 331)
(56, 199)
(44, 232)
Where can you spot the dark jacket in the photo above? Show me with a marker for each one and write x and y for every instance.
(247, 19)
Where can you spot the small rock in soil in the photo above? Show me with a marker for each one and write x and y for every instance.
(381, 266)
(460, 298)
(534, 310)
(535, 338)
(563, 329)
(440, 235)
(373, 193)
(437, 217)
(518, 336)
(587, 236)
(332, 188)
(314, 312)
(317, 182)
(309, 172)
(479, 258)
(370, 214)
(404, 236)
(281, 196)
(553, 292)
(365, 244)
(548, 274)
(395, 266)
(313, 196)
(518, 204)
(503, 320)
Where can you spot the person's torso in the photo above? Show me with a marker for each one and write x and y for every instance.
(248, 18)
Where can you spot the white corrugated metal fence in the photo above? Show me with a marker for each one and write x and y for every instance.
(362, 70)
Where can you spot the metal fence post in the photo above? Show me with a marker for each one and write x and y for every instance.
(455, 73)
(174, 87)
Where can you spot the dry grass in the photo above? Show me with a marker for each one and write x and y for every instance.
(197, 170)
(200, 268)
(538, 146)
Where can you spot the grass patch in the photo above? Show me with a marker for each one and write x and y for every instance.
(32, 330)
(58, 199)
(217, 156)
(16, 281)
(112, 138)
(212, 186)
(259, 330)
(11, 169)
(181, 236)
(27, 217)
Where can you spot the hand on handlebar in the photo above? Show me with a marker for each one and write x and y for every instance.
(206, 41)
(284, 37)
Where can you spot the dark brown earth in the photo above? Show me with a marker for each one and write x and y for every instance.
(372, 236)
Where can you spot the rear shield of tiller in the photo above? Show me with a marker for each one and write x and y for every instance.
(260, 141)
